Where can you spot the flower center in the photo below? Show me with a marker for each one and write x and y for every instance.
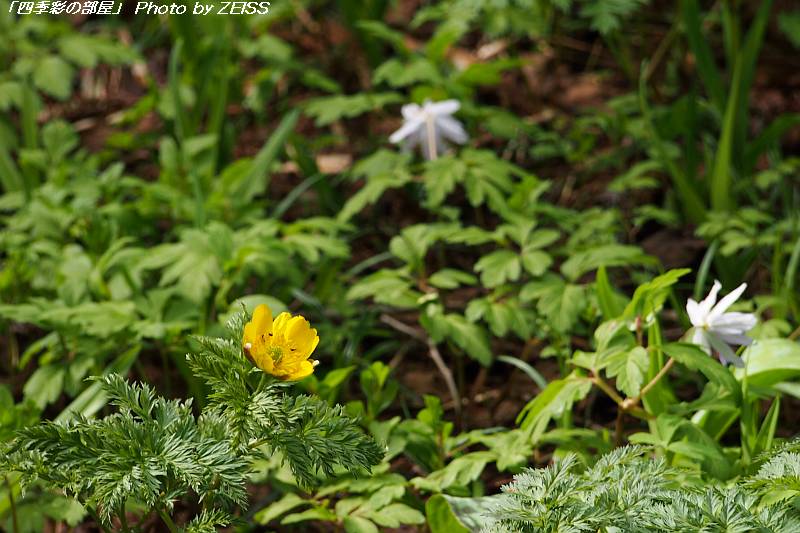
(276, 353)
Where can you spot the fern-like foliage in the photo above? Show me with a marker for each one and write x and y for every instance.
(156, 452)
(628, 491)
(153, 451)
(258, 414)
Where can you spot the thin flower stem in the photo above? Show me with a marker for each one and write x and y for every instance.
(661, 373)
(433, 352)
(796, 333)
(431, 137)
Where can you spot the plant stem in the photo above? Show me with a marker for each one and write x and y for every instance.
(618, 428)
(431, 137)
(168, 521)
(657, 377)
(796, 333)
(13, 505)
(123, 519)
(605, 387)
(97, 520)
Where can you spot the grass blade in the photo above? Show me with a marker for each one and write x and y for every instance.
(254, 182)
(708, 71)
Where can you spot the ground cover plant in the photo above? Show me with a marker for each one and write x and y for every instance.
(447, 266)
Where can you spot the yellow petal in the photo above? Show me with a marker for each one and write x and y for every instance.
(264, 362)
(250, 334)
(262, 319)
(279, 324)
(306, 368)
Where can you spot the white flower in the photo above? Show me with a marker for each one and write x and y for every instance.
(714, 328)
(429, 125)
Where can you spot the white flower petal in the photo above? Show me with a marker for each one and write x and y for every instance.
(696, 316)
(737, 339)
(411, 111)
(724, 350)
(445, 107)
(726, 302)
(409, 128)
(698, 337)
(738, 321)
(706, 305)
(451, 129)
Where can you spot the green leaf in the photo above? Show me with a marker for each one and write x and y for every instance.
(441, 177)
(630, 369)
(397, 73)
(328, 109)
(450, 278)
(358, 524)
(45, 385)
(78, 49)
(770, 361)
(498, 267)
(458, 473)
(560, 303)
(54, 76)
(607, 255)
(255, 181)
(441, 518)
(610, 301)
(316, 513)
(789, 24)
(552, 402)
(273, 511)
(707, 69)
(696, 359)
(396, 515)
(535, 261)
(649, 297)
(469, 337)
(371, 191)
(387, 286)
(471, 512)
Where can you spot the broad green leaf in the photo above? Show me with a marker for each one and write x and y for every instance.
(607, 255)
(469, 337)
(273, 511)
(441, 518)
(450, 278)
(629, 368)
(359, 524)
(770, 361)
(328, 109)
(459, 472)
(696, 359)
(649, 297)
(552, 402)
(396, 515)
(54, 76)
(535, 261)
(45, 385)
(386, 286)
(498, 267)
(560, 303)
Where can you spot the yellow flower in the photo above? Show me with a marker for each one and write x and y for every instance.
(280, 347)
